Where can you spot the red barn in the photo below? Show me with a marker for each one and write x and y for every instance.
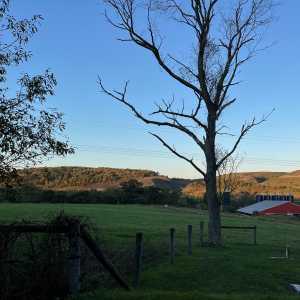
(269, 207)
(288, 208)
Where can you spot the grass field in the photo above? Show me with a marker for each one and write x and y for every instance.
(239, 270)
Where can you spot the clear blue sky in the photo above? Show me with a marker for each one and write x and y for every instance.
(78, 45)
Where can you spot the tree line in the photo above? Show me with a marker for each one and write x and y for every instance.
(130, 192)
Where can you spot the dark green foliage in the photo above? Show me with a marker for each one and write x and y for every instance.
(130, 193)
(244, 199)
(191, 202)
(260, 179)
(33, 266)
(28, 130)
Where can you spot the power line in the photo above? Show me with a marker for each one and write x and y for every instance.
(164, 154)
(262, 138)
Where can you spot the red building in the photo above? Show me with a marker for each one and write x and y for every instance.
(288, 208)
(269, 207)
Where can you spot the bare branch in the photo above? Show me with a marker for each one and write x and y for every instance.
(244, 130)
(121, 97)
(225, 105)
(228, 180)
(184, 66)
(168, 111)
(173, 150)
(125, 12)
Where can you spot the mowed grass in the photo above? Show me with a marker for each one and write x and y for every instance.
(239, 270)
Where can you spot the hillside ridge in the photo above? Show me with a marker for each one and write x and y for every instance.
(100, 178)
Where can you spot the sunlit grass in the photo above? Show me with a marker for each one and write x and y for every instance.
(239, 270)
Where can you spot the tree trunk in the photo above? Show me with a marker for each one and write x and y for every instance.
(214, 221)
(214, 217)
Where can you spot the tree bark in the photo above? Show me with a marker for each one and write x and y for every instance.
(214, 223)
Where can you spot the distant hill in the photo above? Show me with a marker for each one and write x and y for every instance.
(83, 178)
(258, 182)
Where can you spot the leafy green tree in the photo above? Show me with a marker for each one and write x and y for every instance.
(29, 131)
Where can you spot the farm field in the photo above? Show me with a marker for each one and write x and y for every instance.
(239, 270)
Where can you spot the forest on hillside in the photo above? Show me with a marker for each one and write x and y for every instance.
(128, 186)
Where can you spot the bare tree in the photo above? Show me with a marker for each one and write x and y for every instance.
(225, 35)
(228, 177)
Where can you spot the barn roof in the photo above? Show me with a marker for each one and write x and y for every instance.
(260, 206)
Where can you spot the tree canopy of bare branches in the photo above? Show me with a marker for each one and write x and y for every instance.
(226, 35)
(228, 177)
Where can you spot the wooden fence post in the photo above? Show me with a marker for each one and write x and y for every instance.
(74, 258)
(138, 258)
(190, 229)
(107, 264)
(172, 245)
(201, 235)
(287, 251)
(254, 235)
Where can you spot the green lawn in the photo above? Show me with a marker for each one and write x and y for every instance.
(239, 270)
